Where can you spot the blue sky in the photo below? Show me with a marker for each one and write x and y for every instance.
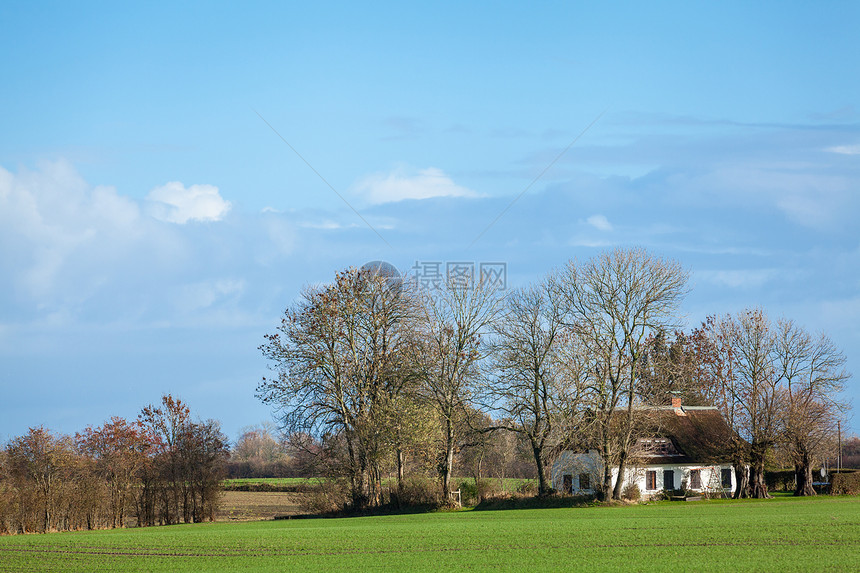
(153, 227)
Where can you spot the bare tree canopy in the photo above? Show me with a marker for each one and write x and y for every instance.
(536, 380)
(612, 303)
(453, 322)
(341, 361)
(779, 387)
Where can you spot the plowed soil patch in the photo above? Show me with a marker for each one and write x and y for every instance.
(253, 506)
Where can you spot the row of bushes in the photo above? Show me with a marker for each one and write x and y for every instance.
(846, 483)
(415, 492)
(780, 480)
(784, 480)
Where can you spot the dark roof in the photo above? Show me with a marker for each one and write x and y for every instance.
(699, 434)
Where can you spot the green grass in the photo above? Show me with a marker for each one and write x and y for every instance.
(510, 484)
(276, 482)
(811, 534)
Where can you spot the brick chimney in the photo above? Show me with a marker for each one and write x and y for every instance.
(676, 404)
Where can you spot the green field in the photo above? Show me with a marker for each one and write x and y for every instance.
(276, 482)
(812, 534)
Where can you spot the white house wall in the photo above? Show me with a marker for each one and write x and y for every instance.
(569, 463)
(574, 464)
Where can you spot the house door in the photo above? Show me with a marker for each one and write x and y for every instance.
(567, 485)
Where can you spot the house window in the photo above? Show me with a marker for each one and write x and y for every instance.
(567, 483)
(650, 480)
(657, 447)
(726, 477)
(668, 479)
(584, 481)
(695, 479)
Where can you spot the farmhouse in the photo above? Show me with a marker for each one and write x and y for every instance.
(688, 449)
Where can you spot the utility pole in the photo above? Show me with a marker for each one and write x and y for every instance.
(839, 454)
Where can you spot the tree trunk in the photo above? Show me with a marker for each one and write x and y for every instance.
(359, 482)
(357, 467)
(606, 489)
(377, 484)
(803, 475)
(448, 465)
(742, 482)
(619, 483)
(739, 462)
(48, 510)
(543, 487)
(758, 487)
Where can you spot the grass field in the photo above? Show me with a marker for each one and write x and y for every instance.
(812, 534)
(271, 481)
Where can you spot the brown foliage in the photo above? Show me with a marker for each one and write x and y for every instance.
(846, 484)
(163, 468)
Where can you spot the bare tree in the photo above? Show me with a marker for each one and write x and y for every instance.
(454, 319)
(118, 449)
(753, 399)
(778, 386)
(613, 302)
(165, 424)
(714, 356)
(341, 360)
(813, 374)
(410, 428)
(203, 451)
(39, 461)
(537, 382)
(259, 445)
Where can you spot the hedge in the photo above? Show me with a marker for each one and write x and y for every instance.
(846, 484)
(779, 480)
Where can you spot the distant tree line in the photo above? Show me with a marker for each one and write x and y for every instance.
(374, 376)
(850, 454)
(162, 468)
(263, 452)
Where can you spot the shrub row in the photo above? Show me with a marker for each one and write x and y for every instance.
(415, 493)
(780, 480)
(846, 483)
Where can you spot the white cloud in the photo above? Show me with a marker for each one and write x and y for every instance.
(206, 293)
(281, 235)
(845, 149)
(52, 216)
(174, 203)
(814, 198)
(326, 225)
(590, 243)
(79, 253)
(599, 222)
(399, 186)
(738, 278)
